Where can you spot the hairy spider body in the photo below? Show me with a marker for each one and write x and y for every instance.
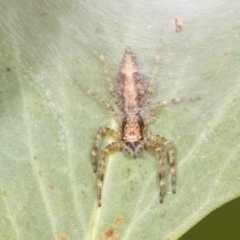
(131, 94)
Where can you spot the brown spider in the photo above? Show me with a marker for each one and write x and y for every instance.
(132, 94)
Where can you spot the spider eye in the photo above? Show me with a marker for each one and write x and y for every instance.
(136, 144)
(133, 145)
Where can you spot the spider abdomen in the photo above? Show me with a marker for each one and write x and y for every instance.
(131, 86)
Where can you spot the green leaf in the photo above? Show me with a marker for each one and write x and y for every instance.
(48, 124)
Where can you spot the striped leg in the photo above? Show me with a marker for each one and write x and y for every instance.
(161, 140)
(98, 137)
(150, 144)
(101, 167)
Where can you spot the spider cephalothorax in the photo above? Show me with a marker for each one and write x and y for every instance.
(132, 135)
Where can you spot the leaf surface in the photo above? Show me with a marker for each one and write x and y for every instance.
(48, 124)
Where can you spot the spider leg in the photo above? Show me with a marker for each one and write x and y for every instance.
(98, 136)
(154, 146)
(161, 140)
(101, 166)
(154, 71)
(107, 104)
(106, 74)
(105, 69)
(156, 105)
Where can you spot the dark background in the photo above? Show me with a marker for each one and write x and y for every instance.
(221, 224)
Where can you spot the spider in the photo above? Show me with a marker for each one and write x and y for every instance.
(131, 95)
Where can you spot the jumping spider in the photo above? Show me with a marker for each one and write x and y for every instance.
(132, 94)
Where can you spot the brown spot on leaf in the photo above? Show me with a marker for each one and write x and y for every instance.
(8, 69)
(110, 233)
(51, 186)
(118, 220)
(63, 236)
(178, 25)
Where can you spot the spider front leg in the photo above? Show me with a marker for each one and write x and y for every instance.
(161, 140)
(98, 137)
(154, 146)
(101, 166)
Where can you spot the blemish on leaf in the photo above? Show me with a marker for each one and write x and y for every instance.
(51, 186)
(63, 236)
(8, 69)
(178, 25)
(118, 220)
(110, 233)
